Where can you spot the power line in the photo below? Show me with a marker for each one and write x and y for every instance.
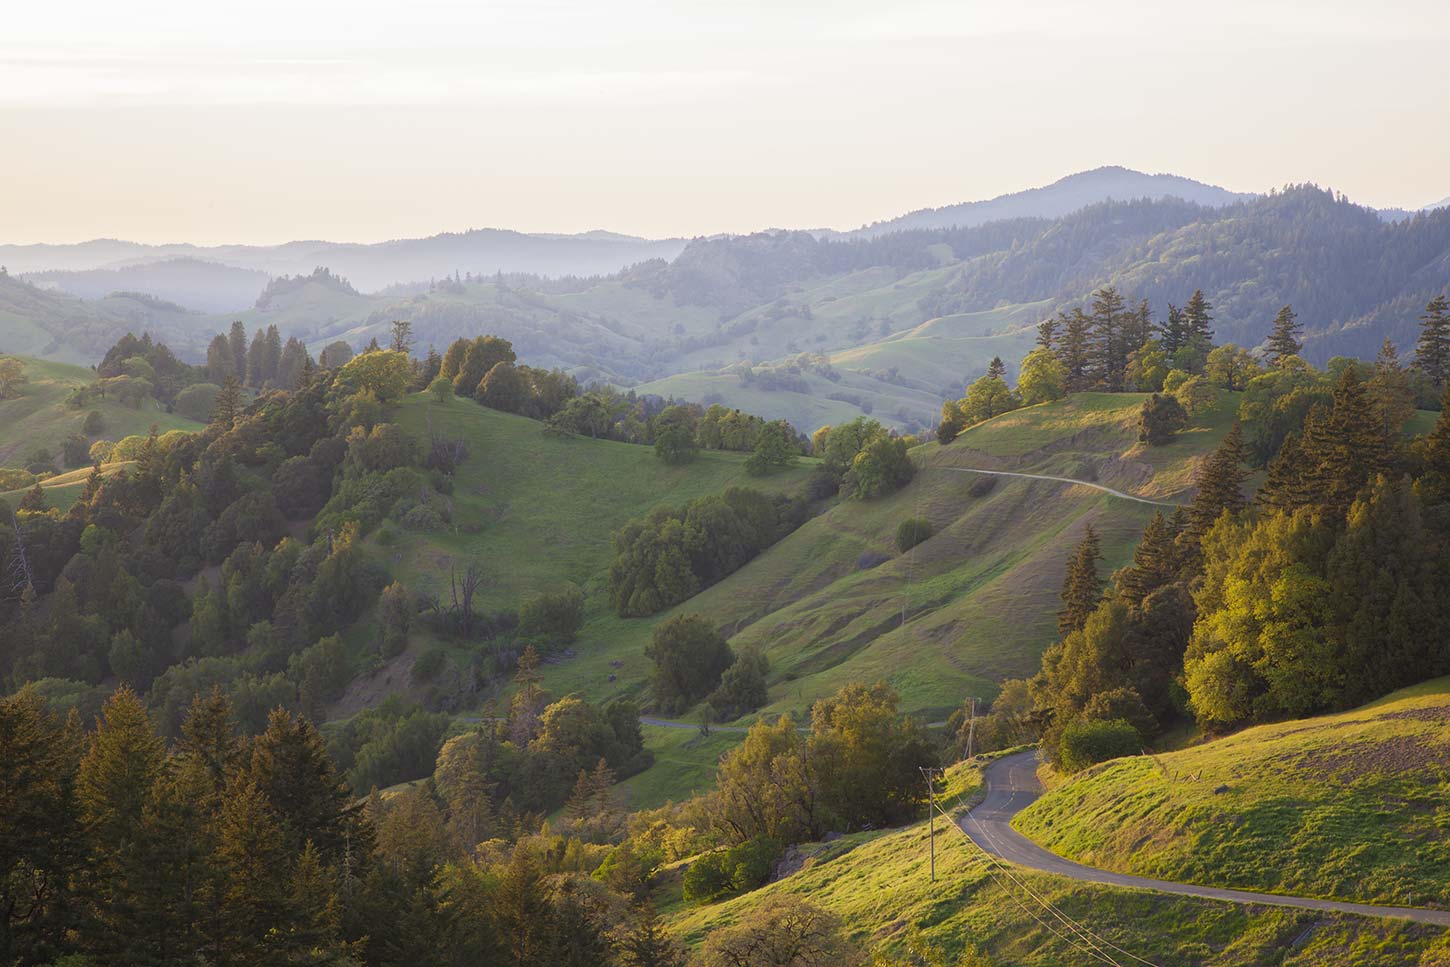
(1089, 937)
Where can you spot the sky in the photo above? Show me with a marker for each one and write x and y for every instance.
(265, 121)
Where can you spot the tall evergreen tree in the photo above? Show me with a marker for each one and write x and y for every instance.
(997, 369)
(1155, 563)
(1348, 450)
(228, 404)
(1435, 481)
(1284, 337)
(1174, 331)
(237, 341)
(1220, 485)
(1081, 588)
(1109, 347)
(1390, 395)
(402, 341)
(219, 360)
(1047, 331)
(1075, 351)
(1198, 322)
(1432, 351)
(292, 769)
(1289, 484)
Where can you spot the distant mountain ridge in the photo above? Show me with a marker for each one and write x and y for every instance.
(1063, 197)
(370, 266)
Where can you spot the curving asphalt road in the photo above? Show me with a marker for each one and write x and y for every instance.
(1012, 786)
(1066, 480)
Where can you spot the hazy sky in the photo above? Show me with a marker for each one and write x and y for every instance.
(263, 121)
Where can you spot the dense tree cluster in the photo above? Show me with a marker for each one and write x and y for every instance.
(669, 555)
(1323, 592)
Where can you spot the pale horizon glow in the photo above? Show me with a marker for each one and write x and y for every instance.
(266, 121)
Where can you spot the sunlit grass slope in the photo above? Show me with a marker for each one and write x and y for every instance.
(39, 416)
(1354, 806)
(878, 884)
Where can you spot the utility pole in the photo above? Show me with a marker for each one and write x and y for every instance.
(929, 773)
(972, 727)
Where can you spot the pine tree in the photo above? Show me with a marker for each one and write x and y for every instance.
(209, 736)
(1109, 349)
(228, 404)
(1290, 480)
(252, 859)
(1155, 563)
(1081, 589)
(34, 500)
(1220, 485)
(648, 944)
(1047, 331)
(1435, 482)
(1432, 351)
(1075, 354)
(1198, 322)
(1350, 451)
(996, 369)
(1138, 327)
(291, 767)
(1391, 398)
(1283, 339)
(237, 342)
(219, 361)
(1174, 331)
(402, 336)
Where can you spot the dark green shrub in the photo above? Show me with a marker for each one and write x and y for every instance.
(912, 532)
(1088, 743)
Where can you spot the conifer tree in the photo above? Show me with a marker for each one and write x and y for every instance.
(1284, 337)
(228, 404)
(1432, 351)
(237, 342)
(34, 499)
(1198, 322)
(1154, 564)
(996, 369)
(1290, 480)
(1220, 485)
(209, 736)
(291, 768)
(648, 944)
(1081, 589)
(1108, 344)
(1174, 331)
(251, 856)
(1047, 332)
(1075, 354)
(1391, 398)
(1435, 481)
(1350, 449)
(402, 336)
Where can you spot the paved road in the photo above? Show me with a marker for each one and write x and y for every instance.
(1012, 786)
(1066, 480)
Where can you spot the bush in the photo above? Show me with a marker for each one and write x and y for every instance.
(1088, 743)
(197, 401)
(95, 424)
(1160, 418)
(912, 532)
(554, 619)
(735, 870)
(429, 664)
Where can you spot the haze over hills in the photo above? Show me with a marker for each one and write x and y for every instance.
(370, 266)
(789, 324)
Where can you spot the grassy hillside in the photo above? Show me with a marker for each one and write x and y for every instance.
(1351, 806)
(39, 416)
(537, 511)
(878, 884)
(974, 604)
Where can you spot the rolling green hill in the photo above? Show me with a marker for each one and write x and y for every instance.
(39, 416)
(1350, 806)
(878, 884)
(975, 604)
